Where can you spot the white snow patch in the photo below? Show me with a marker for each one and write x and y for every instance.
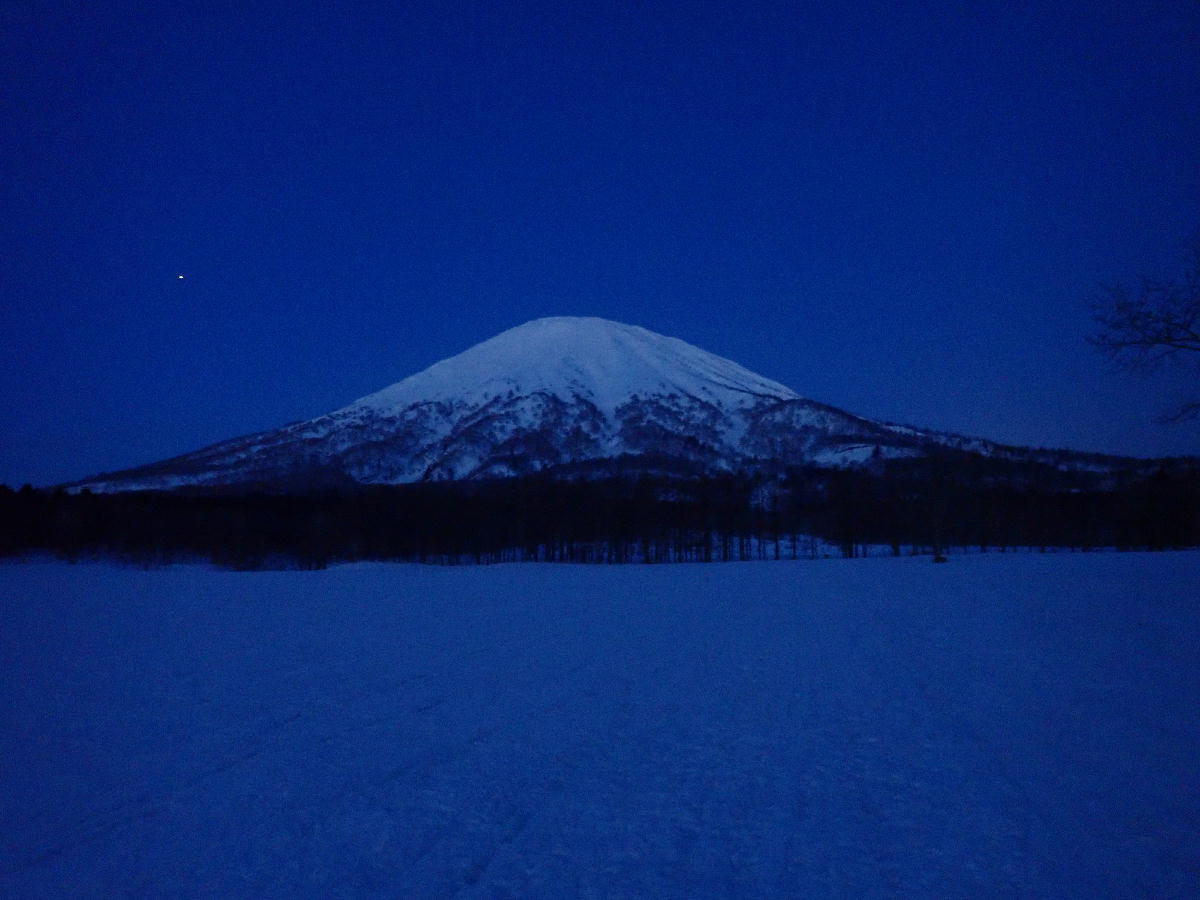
(606, 362)
(1023, 725)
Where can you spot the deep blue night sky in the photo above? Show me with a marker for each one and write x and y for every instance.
(899, 209)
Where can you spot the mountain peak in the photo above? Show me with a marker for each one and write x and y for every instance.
(562, 391)
(570, 357)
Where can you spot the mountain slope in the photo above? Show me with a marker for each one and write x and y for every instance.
(594, 359)
(548, 393)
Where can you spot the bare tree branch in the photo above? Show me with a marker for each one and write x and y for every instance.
(1157, 324)
(1187, 411)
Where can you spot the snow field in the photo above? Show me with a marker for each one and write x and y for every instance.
(607, 362)
(1002, 725)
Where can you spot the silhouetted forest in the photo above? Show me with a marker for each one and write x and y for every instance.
(910, 506)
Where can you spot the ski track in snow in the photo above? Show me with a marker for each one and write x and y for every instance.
(1005, 725)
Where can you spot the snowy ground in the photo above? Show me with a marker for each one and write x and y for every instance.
(1017, 725)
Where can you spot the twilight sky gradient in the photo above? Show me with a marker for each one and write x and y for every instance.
(899, 209)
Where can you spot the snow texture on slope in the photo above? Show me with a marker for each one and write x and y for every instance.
(567, 357)
(1006, 725)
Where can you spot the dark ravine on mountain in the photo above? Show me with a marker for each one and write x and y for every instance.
(570, 395)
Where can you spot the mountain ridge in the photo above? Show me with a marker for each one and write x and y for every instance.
(554, 392)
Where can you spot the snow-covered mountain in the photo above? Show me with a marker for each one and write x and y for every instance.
(553, 392)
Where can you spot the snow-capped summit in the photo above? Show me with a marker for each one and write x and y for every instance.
(571, 358)
(554, 392)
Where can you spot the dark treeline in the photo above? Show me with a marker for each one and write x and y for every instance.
(909, 506)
